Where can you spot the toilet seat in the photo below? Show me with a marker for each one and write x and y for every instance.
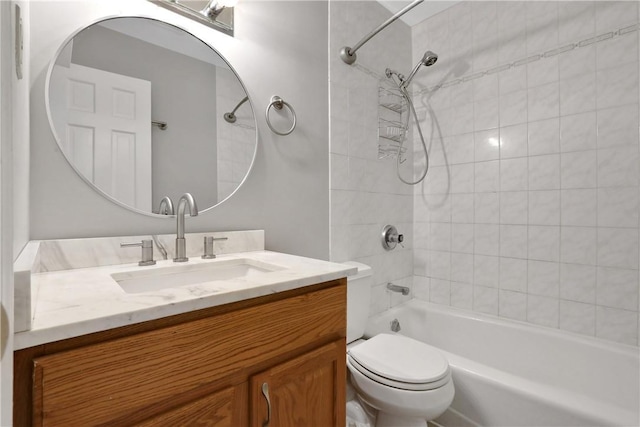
(400, 362)
(398, 384)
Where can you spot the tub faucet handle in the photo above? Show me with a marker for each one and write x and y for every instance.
(391, 238)
(147, 251)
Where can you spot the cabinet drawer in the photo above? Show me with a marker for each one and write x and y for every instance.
(117, 379)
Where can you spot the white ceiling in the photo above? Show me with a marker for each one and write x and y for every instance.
(419, 13)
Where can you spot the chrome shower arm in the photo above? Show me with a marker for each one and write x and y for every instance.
(348, 54)
(231, 117)
(245, 99)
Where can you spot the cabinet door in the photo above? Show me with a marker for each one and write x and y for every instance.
(226, 408)
(308, 390)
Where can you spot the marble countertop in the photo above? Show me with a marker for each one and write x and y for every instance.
(80, 301)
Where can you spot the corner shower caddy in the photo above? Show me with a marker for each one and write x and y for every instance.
(391, 122)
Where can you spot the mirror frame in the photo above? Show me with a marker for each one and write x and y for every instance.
(54, 132)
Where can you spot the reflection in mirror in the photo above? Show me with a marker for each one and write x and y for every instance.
(113, 79)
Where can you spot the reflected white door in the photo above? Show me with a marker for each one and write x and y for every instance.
(108, 132)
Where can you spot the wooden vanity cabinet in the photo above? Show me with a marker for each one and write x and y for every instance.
(204, 368)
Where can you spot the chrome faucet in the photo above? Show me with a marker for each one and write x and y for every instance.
(181, 251)
(166, 206)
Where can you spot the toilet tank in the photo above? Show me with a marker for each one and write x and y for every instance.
(358, 300)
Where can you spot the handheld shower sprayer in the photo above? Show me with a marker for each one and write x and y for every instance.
(428, 59)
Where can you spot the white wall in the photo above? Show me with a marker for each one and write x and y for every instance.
(365, 192)
(542, 227)
(21, 135)
(279, 48)
(7, 80)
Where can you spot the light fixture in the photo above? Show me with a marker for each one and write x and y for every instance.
(216, 14)
(215, 7)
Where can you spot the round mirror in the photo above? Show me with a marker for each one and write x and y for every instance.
(144, 110)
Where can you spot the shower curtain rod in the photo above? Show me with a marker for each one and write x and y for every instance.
(348, 54)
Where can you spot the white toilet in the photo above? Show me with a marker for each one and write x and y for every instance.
(406, 381)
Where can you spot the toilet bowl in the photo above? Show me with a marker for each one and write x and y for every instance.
(408, 382)
(401, 377)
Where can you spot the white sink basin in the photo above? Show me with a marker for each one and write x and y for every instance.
(134, 282)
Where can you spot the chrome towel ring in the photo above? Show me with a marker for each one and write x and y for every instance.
(278, 103)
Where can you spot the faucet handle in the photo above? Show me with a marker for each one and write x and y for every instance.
(147, 251)
(208, 246)
(391, 238)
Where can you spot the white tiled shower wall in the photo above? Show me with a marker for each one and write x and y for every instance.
(365, 192)
(530, 210)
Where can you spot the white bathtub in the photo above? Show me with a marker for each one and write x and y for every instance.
(509, 373)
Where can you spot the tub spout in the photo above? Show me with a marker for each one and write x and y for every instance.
(395, 325)
(395, 288)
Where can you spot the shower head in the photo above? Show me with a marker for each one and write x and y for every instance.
(428, 59)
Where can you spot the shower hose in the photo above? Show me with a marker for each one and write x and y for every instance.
(407, 98)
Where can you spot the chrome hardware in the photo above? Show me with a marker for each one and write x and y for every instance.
(395, 325)
(181, 250)
(147, 251)
(278, 103)
(212, 10)
(391, 238)
(230, 117)
(265, 393)
(214, 14)
(161, 125)
(397, 288)
(166, 206)
(208, 246)
(348, 54)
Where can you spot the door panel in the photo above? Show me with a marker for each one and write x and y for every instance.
(305, 391)
(107, 118)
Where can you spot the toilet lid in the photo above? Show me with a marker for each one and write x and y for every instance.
(400, 358)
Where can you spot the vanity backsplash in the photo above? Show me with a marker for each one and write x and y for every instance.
(41, 256)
